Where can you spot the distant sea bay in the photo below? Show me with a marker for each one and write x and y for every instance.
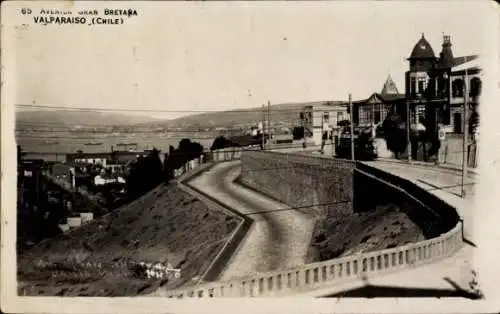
(54, 147)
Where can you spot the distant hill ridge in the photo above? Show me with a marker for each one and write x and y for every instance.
(73, 118)
(286, 114)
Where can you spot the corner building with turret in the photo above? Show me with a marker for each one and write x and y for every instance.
(436, 88)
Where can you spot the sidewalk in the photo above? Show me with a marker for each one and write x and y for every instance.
(429, 164)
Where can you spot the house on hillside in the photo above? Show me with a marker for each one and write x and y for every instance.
(103, 158)
(62, 170)
(32, 194)
(375, 108)
(89, 158)
(320, 117)
(324, 116)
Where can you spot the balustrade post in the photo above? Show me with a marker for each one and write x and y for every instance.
(253, 291)
(298, 278)
(271, 285)
(243, 289)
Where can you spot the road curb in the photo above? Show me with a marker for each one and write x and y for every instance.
(220, 261)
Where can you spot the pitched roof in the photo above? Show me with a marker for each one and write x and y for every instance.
(464, 59)
(422, 50)
(389, 87)
(392, 97)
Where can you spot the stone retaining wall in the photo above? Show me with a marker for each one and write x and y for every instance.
(320, 184)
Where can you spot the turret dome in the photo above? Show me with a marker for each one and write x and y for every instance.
(422, 50)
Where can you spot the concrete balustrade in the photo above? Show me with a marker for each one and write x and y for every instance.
(230, 153)
(322, 274)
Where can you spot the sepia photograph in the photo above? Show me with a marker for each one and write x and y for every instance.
(295, 150)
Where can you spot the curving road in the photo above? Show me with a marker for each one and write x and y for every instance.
(279, 237)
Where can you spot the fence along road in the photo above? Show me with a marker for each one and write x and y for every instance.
(316, 279)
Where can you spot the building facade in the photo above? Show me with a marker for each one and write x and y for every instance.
(374, 109)
(31, 189)
(436, 87)
(322, 117)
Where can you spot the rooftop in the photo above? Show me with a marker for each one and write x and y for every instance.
(389, 87)
(422, 50)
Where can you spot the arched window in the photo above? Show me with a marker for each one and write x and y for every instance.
(475, 87)
(457, 88)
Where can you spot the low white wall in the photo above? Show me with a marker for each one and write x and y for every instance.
(74, 222)
(86, 217)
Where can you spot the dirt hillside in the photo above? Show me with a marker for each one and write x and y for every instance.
(166, 225)
(385, 227)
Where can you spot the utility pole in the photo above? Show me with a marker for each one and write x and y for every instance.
(262, 129)
(269, 119)
(408, 127)
(465, 148)
(351, 118)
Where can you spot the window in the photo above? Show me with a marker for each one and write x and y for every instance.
(475, 87)
(340, 116)
(422, 85)
(365, 115)
(457, 88)
(377, 116)
(412, 86)
(326, 116)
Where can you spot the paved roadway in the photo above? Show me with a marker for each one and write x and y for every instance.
(278, 239)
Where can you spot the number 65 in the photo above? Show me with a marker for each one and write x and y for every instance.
(26, 11)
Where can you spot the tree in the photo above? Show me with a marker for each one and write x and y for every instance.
(473, 122)
(394, 129)
(145, 174)
(220, 142)
(167, 168)
(186, 151)
(184, 145)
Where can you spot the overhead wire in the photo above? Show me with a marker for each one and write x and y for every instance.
(237, 110)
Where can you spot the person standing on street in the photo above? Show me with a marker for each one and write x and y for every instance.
(324, 138)
(443, 146)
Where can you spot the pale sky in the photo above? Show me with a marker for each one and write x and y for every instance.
(217, 56)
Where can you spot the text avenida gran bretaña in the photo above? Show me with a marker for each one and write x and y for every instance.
(90, 17)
